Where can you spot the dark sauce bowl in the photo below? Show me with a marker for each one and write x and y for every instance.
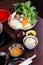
(16, 61)
(4, 58)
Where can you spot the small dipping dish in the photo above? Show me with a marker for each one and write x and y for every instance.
(16, 61)
(3, 58)
(30, 42)
(16, 50)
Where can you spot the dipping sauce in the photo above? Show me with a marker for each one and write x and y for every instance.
(15, 52)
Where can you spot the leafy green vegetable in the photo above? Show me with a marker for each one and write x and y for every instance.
(27, 10)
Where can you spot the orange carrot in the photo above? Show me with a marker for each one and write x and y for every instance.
(25, 21)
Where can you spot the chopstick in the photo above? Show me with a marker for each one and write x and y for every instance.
(34, 56)
(28, 61)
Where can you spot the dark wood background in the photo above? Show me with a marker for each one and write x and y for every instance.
(7, 4)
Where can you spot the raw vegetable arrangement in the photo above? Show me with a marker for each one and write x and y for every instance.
(24, 16)
(27, 10)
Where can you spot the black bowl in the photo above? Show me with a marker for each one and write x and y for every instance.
(15, 61)
(4, 58)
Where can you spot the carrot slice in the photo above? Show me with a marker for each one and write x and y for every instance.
(25, 21)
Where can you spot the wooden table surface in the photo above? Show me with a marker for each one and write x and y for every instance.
(39, 49)
(28, 53)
